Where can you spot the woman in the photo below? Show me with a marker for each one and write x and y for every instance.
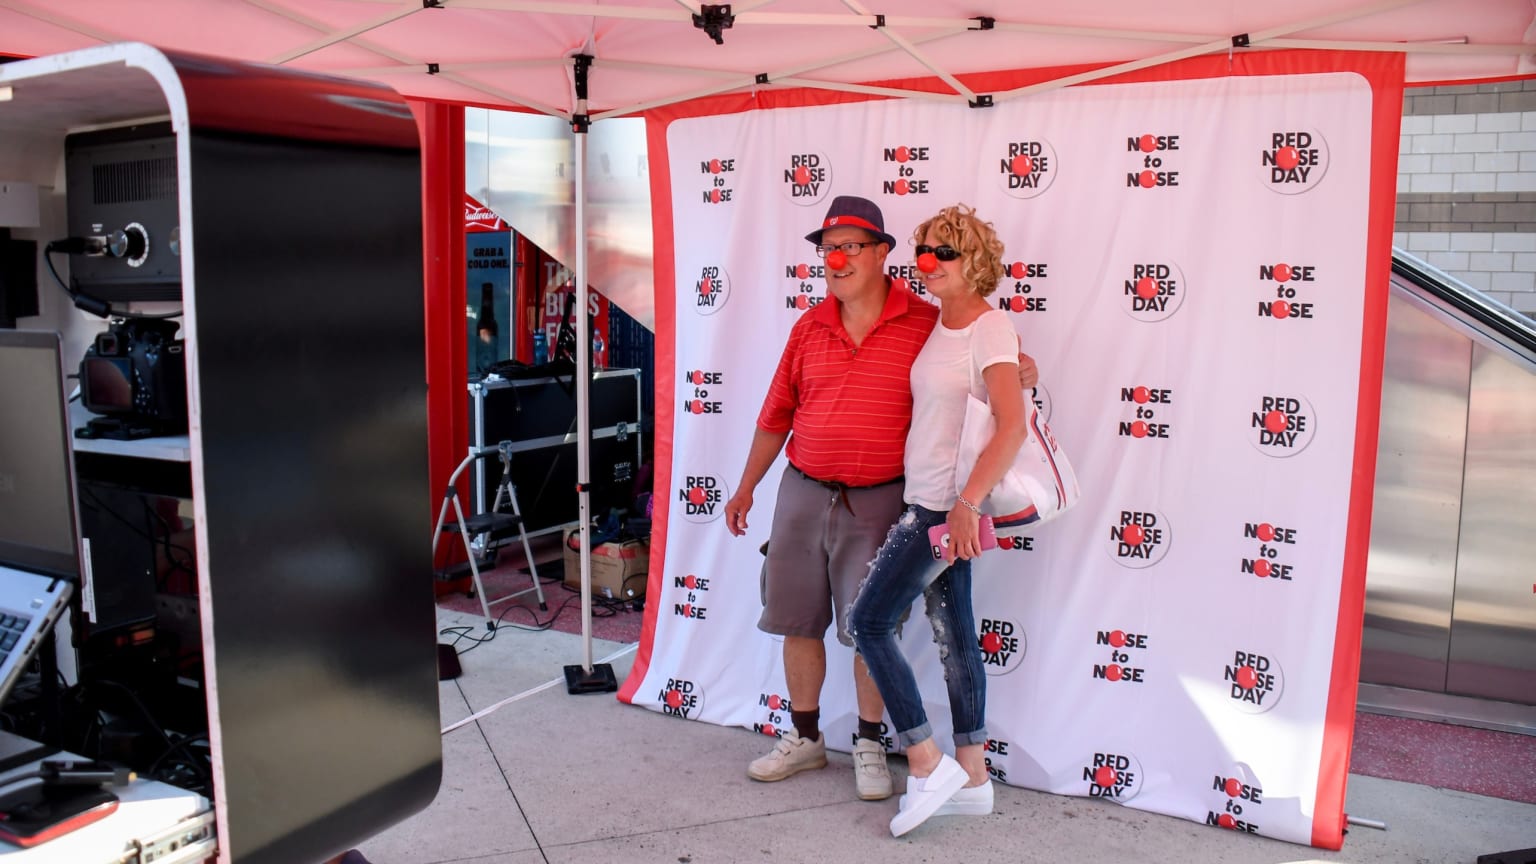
(972, 349)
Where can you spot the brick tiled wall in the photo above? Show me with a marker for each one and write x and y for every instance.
(1466, 185)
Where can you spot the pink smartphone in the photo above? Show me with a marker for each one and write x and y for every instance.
(938, 537)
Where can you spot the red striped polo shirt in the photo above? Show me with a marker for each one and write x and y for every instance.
(848, 408)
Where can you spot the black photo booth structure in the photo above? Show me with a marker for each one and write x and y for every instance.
(299, 228)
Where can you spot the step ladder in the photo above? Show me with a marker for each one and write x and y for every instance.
(480, 531)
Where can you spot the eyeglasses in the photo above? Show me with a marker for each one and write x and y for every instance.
(849, 249)
(943, 253)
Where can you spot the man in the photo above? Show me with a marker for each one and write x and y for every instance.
(842, 400)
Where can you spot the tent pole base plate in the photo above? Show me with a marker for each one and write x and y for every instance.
(600, 680)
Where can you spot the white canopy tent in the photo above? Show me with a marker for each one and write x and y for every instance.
(642, 54)
(646, 53)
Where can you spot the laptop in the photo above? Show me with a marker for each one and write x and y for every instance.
(39, 537)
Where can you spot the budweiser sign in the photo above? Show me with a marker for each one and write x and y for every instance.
(478, 217)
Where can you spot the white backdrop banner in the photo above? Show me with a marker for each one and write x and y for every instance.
(1188, 262)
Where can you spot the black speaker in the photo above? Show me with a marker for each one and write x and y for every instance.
(122, 182)
(18, 279)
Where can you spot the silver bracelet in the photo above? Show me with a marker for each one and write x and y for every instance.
(968, 505)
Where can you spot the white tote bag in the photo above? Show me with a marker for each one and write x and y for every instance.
(1038, 487)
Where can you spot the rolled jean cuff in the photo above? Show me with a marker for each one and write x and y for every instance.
(966, 739)
(916, 736)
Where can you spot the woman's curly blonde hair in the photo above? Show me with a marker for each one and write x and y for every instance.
(981, 252)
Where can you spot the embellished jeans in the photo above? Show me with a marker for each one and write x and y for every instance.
(903, 569)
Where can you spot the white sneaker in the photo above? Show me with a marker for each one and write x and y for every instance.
(870, 775)
(791, 755)
(925, 795)
(969, 801)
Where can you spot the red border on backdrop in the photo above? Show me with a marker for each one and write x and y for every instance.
(1384, 73)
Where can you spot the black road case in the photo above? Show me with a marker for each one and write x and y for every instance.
(538, 415)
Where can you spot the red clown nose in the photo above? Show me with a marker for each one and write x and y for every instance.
(837, 259)
(927, 262)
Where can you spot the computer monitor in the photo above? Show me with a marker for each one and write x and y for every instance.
(37, 500)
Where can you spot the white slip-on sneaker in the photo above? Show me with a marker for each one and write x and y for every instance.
(969, 801)
(870, 775)
(925, 795)
(790, 755)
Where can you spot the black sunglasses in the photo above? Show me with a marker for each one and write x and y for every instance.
(943, 253)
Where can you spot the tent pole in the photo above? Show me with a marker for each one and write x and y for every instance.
(1258, 37)
(741, 82)
(583, 399)
(1461, 49)
(585, 678)
(343, 35)
(904, 44)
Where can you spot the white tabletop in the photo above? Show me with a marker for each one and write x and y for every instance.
(172, 448)
(146, 808)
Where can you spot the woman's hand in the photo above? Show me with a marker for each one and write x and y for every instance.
(964, 534)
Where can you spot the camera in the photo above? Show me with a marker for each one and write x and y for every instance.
(136, 375)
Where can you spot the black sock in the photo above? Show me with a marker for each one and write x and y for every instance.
(869, 731)
(807, 723)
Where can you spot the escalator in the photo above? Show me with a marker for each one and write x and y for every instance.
(1450, 613)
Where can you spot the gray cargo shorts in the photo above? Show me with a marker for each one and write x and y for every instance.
(819, 551)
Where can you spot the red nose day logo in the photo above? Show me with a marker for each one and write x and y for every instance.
(775, 709)
(1149, 407)
(1125, 656)
(1115, 776)
(1002, 645)
(1152, 291)
(906, 159)
(886, 740)
(1028, 283)
(1139, 538)
(718, 171)
(699, 401)
(1009, 543)
(1275, 546)
(807, 177)
(1028, 167)
(996, 756)
(1150, 152)
(1237, 799)
(1293, 161)
(803, 278)
(1282, 426)
(702, 497)
(1257, 682)
(1279, 299)
(711, 289)
(906, 277)
(692, 587)
(681, 698)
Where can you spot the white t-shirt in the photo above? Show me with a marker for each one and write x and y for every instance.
(951, 362)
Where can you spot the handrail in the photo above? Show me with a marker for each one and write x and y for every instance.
(1512, 330)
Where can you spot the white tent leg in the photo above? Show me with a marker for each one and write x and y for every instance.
(585, 678)
(583, 400)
